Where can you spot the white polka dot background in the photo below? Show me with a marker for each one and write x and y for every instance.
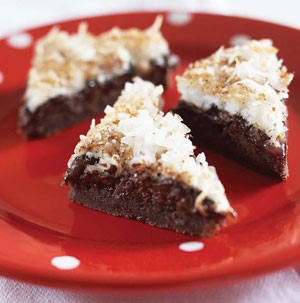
(65, 262)
(20, 41)
(238, 39)
(179, 18)
(191, 246)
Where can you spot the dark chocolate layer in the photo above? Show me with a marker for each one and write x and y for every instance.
(63, 111)
(235, 138)
(161, 202)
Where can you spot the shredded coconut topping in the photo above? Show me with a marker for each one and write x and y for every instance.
(135, 134)
(248, 80)
(63, 62)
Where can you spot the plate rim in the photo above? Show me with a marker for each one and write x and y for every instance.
(134, 12)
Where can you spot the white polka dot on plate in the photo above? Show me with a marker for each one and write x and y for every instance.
(179, 18)
(21, 40)
(238, 39)
(65, 262)
(191, 246)
(1, 77)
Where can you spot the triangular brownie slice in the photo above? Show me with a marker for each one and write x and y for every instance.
(139, 163)
(234, 103)
(74, 76)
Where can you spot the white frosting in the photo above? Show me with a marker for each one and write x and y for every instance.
(63, 62)
(248, 80)
(135, 134)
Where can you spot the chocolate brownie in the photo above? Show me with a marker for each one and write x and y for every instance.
(235, 138)
(74, 76)
(234, 103)
(65, 110)
(139, 163)
(162, 202)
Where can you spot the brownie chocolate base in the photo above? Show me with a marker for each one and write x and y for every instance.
(161, 202)
(63, 111)
(234, 137)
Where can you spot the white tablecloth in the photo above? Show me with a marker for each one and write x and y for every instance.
(281, 287)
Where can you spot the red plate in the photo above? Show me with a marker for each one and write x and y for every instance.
(39, 223)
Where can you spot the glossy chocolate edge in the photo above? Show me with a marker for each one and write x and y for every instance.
(233, 137)
(158, 201)
(63, 111)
